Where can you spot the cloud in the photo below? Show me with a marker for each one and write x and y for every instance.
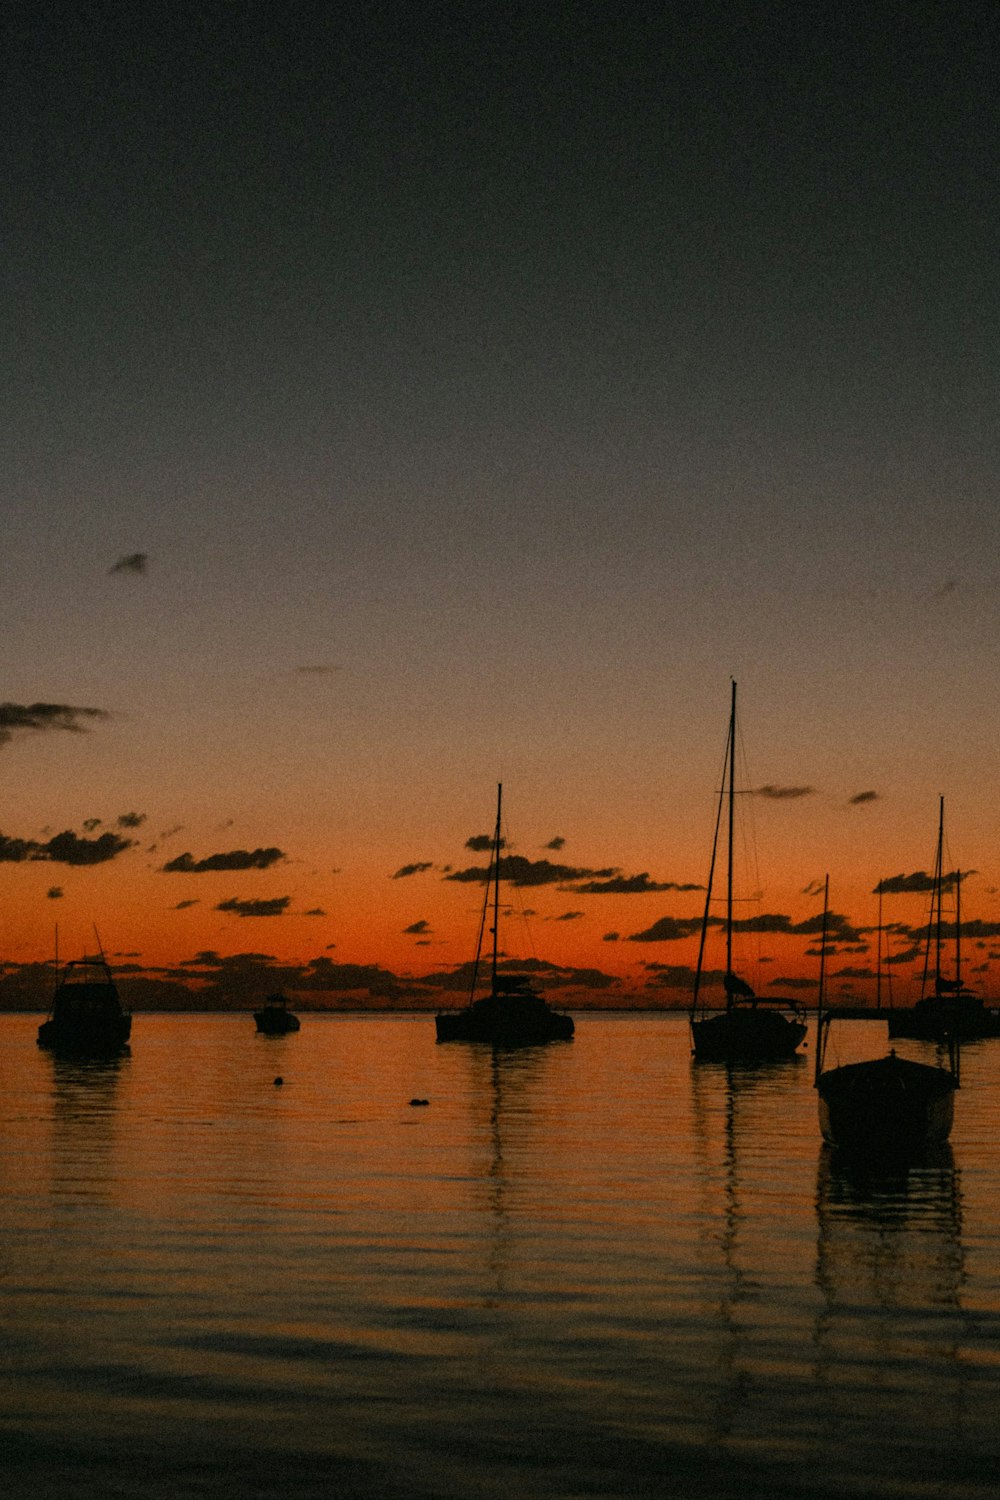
(68, 849)
(783, 793)
(415, 869)
(814, 888)
(549, 975)
(89, 824)
(667, 930)
(948, 587)
(568, 916)
(317, 671)
(672, 929)
(274, 906)
(54, 892)
(131, 820)
(628, 885)
(863, 973)
(183, 905)
(480, 842)
(919, 883)
(132, 562)
(556, 843)
(860, 798)
(235, 859)
(610, 937)
(13, 851)
(526, 872)
(314, 911)
(418, 928)
(793, 983)
(15, 717)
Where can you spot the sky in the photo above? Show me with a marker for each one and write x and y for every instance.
(404, 401)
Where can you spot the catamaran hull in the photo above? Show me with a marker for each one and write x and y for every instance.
(746, 1036)
(887, 1106)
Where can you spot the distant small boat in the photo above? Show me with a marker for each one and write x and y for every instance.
(274, 1018)
(750, 1029)
(949, 1008)
(888, 1106)
(87, 1018)
(513, 1013)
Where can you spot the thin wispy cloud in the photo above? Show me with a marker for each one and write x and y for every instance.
(414, 869)
(233, 859)
(520, 871)
(629, 885)
(860, 799)
(36, 718)
(557, 843)
(275, 906)
(783, 793)
(417, 929)
(132, 562)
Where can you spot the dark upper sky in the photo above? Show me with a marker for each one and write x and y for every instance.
(515, 374)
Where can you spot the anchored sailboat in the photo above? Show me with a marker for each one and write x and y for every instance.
(513, 1013)
(949, 1007)
(750, 1028)
(887, 1106)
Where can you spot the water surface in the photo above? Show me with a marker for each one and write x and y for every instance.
(589, 1269)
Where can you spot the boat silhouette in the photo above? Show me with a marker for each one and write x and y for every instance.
(513, 1013)
(750, 1028)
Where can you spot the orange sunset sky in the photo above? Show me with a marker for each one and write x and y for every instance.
(391, 413)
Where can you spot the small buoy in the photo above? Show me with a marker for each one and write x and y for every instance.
(419, 1101)
(278, 1081)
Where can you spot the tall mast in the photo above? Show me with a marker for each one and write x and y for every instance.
(729, 869)
(878, 957)
(958, 931)
(818, 1069)
(496, 886)
(939, 881)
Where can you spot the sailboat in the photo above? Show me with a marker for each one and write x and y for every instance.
(750, 1028)
(949, 1006)
(87, 1018)
(513, 1013)
(888, 1106)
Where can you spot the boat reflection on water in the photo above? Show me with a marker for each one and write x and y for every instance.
(739, 1110)
(86, 1098)
(890, 1267)
(507, 1082)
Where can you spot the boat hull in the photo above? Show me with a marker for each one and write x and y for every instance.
(934, 1020)
(99, 1035)
(505, 1021)
(747, 1034)
(278, 1023)
(888, 1106)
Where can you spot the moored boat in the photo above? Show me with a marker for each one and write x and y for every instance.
(750, 1029)
(87, 1018)
(949, 1008)
(885, 1106)
(513, 1013)
(274, 1018)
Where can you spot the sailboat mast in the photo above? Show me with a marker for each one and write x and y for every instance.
(878, 955)
(496, 886)
(939, 882)
(958, 931)
(820, 1048)
(729, 869)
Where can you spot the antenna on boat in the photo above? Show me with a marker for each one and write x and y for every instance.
(821, 1019)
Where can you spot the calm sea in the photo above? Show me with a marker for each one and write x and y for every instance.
(591, 1269)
